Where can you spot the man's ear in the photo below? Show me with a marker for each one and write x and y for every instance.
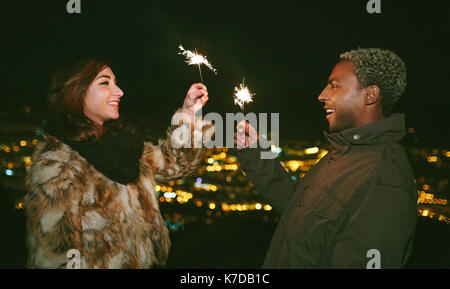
(371, 94)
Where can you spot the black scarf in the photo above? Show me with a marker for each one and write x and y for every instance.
(115, 155)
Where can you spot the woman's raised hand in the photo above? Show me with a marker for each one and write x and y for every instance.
(196, 98)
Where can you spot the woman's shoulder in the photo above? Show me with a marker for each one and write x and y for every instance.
(50, 159)
(50, 148)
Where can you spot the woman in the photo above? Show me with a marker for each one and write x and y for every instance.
(91, 185)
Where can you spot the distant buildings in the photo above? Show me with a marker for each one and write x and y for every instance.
(220, 187)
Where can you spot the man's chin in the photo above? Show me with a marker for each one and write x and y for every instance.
(332, 128)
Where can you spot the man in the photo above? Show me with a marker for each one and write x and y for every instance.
(359, 197)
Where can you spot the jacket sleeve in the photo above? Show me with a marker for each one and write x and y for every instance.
(181, 152)
(269, 177)
(53, 227)
(385, 221)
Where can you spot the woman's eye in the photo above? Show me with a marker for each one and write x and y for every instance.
(104, 83)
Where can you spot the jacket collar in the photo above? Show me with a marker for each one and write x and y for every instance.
(387, 130)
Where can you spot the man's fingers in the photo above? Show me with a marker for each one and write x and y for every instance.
(199, 86)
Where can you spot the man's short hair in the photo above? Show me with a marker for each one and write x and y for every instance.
(381, 67)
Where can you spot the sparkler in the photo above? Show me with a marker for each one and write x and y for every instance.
(193, 58)
(242, 95)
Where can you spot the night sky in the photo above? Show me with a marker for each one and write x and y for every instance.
(284, 49)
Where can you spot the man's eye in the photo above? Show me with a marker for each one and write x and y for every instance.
(104, 83)
(333, 85)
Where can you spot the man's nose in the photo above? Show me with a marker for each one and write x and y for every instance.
(323, 95)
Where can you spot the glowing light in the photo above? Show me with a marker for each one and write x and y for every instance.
(199, 203)
(425, 213)
(432, 159)
(293, 165)
(7, 149)
(313, 150)
(267, 207)
(19, 205)
(258, 206)
(212, 206)
(242, 95)
(10, 165)
(275, 149)
(23, 143)
(27, 161)
(322, 153)
(232, 159)
(199, 180)
(225, 207)
(170, 195)
(447, 154)
(158, 188)
(210, 160)
(9, 172)
(193, 58)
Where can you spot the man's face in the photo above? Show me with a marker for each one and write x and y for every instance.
(342, 100)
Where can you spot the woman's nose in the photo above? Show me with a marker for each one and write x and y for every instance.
(118, 91)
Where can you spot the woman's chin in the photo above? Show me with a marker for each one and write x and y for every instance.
(114, 116)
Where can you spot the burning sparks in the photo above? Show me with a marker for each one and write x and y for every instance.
(242, 95)
(193, 58)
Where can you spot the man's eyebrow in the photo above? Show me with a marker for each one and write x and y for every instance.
(333, 79)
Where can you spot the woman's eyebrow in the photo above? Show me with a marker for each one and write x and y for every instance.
(104, 75)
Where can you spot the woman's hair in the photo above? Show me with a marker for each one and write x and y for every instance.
(68, 87)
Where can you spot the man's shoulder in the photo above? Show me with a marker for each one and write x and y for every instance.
(394, 173)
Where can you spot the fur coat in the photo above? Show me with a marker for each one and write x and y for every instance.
(71, 205)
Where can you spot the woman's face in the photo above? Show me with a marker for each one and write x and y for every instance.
(103, 97)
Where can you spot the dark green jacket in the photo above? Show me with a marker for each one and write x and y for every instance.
(360, 196)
